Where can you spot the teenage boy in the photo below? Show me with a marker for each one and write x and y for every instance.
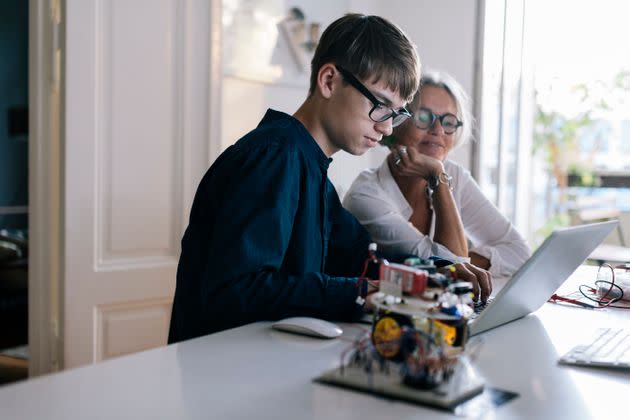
(268, 237)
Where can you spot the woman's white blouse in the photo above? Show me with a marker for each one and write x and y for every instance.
(376, 201)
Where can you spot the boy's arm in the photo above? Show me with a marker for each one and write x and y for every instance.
(348, 248)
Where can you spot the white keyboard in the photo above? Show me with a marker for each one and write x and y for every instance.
(610, 347)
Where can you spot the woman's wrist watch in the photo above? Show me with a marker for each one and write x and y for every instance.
(434, 181)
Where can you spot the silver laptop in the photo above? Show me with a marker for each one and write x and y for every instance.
(534, 283)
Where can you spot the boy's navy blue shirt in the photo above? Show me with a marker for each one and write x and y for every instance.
(267, 237)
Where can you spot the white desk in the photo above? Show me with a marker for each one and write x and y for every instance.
(611, 253)
(254, 372)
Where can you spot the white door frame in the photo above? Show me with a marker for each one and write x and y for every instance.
(46, 172)
(215, 101)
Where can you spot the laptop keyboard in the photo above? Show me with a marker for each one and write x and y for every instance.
(478, 307)
(609, 348)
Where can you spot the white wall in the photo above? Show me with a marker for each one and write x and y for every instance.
(246, 99)
(443, 30)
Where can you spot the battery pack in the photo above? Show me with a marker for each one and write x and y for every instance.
(411, 280)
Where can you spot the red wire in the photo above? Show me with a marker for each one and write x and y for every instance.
(365, 266)
(556, 297)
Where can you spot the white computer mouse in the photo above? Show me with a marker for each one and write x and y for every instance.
(308, 326)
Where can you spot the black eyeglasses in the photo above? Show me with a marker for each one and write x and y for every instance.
(425, 119)
(379, 112)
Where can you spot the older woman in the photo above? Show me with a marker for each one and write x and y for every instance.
(419, 202)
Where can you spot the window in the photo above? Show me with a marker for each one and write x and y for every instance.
(625, 141)
(504, 121)
(554, 103)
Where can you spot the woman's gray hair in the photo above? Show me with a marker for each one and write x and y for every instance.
(461, 99)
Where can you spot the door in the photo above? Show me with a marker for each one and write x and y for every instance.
(138, 122)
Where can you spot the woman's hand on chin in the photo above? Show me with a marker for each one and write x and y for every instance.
(410, 162)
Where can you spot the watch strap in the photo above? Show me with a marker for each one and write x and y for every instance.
(434, 181)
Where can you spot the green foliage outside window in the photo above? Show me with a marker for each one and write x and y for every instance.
(557, 135)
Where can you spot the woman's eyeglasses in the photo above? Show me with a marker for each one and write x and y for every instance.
(424, 119)
(379, 112)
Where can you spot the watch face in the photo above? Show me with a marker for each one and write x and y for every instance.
(445, 178)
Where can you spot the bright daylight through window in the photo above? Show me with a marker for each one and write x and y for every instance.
(555, 104)
(582, 122)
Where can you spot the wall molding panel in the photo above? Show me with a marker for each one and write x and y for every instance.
(124, 328)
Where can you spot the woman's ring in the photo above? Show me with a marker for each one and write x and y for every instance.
(397, 161)
(403, 150)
